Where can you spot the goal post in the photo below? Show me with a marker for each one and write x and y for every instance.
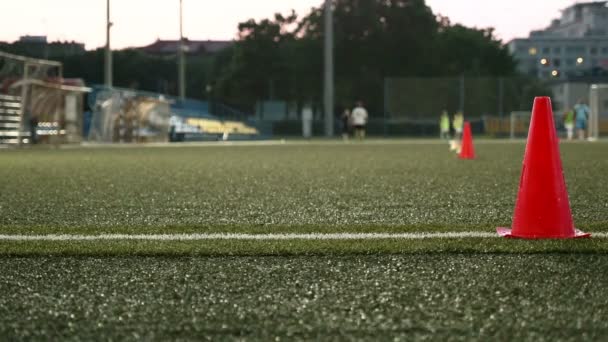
(16, 74)
(598, 105)
(519, 124)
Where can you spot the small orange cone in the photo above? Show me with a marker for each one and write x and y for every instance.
(467, 150)
(542, 209)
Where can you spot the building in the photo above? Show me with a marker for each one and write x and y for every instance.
(573, 46)
(193, 47)
(40, 47)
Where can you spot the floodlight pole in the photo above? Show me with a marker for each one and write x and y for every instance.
(329, 69)
(108, 79)
(182, 57)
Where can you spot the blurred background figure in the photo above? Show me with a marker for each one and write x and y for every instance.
(569, 122)
(345, 119)
(33, 129)
(359, 120)
(581, 111)
(457, 124)
(444, 125)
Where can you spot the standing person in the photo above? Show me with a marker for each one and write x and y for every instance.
(581, 111)
(345, 119)
(444, 125)
(569, 122)
(457, 124)
(359, 119)
(33, 129)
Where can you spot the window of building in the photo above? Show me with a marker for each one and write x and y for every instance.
(557, 50)
(557, 62)
(605, 50)
(546, 50)
(532, 51)
(570, 62)
(575, 49)
(593, 51)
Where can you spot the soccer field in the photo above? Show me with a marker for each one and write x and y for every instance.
(375, 240)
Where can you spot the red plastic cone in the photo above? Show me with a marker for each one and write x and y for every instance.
(467, 150)
(542, 210)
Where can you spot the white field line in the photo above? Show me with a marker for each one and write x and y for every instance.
(258, 237)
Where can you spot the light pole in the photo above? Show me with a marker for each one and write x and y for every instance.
(108, 79)
(182, 58)
(329, 69)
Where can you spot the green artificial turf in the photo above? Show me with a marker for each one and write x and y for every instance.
(298, 247)
(437, 289)
(487, 297)
(289, 188)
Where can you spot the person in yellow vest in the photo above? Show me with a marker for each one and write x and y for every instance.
(444, 125)
(569, 122)
(457, 124)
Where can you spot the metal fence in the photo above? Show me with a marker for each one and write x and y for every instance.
(474, 96)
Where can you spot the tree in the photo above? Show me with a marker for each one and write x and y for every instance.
(374, 39)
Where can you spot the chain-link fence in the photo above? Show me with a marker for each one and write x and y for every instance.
(475, 96)
(495, 106)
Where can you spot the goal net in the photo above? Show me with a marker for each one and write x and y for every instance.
(598, 117)
(14, 68)
(30, 92)
(519, 124)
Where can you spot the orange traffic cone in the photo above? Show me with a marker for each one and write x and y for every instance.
(467, 150)
(542, 210)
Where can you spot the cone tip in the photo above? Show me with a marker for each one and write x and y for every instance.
(542, 100)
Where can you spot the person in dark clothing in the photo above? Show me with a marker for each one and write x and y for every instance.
(345, 118)
(33, 129)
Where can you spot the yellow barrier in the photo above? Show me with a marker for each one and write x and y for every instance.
(497, 126)
(219, 127)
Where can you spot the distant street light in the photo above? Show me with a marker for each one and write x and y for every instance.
(108, 67)
(181, 56)
(580, 60)
(329, 69)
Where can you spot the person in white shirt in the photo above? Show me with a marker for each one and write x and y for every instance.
(359, 118)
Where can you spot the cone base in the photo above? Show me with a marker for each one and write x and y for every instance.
(506, 232)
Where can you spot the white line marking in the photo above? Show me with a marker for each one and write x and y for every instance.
(259, 237)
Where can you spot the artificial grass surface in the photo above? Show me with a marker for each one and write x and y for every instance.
(439, 289)
(316, 188)
(299, 247)
(545, 297)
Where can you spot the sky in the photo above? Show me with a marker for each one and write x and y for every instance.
(141, 22)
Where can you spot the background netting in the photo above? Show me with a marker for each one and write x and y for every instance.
(120, 115)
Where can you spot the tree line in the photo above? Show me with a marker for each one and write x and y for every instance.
(282, 57)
